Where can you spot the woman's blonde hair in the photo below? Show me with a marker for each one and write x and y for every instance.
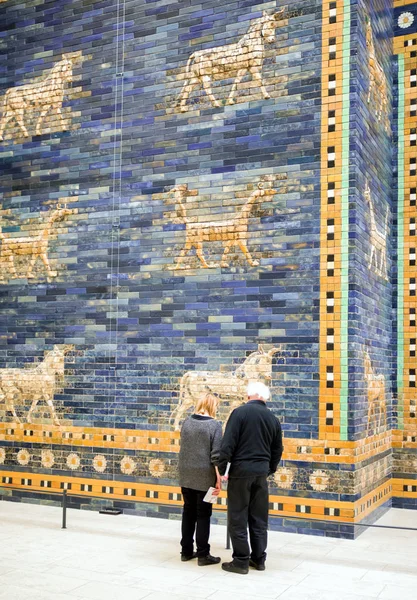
(207, 403)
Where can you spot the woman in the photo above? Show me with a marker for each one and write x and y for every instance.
(201, 436)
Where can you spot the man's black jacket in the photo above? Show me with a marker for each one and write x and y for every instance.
(252, 441)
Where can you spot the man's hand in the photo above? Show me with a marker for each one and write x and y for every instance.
(225, 478)
(218, 487)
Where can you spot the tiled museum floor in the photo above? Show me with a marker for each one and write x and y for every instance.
(127, 558)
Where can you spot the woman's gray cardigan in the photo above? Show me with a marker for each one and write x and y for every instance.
(199, 452)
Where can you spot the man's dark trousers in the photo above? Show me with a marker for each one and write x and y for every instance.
(248, 506)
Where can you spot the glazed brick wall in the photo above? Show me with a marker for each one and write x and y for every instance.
(370, 295)
(136, 324)
(126, 237)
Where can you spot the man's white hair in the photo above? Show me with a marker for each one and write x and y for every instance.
(257, 388)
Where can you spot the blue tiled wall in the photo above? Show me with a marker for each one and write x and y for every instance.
(126, 235)
(370, 295)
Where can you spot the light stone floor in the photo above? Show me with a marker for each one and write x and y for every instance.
(127, 558)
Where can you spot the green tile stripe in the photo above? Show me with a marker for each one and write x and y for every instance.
(345, 224)
(400, 248)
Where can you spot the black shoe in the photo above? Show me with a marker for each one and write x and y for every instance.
(185, 558)
(232, 567)
(257, 566)
(204, 561)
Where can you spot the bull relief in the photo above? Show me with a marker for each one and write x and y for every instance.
(24, 252)
(230, 233)
(239, 59)
(375, 383)
(230, 386)
(39, 100)
(37, 384)
(378, 240)
(378, 86)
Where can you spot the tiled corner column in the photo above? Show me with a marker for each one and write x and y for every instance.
(405, 436)
(334, 221)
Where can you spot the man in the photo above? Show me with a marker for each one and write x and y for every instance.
(252, 443)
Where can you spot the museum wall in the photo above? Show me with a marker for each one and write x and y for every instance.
(371, 214)
(184, 208)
